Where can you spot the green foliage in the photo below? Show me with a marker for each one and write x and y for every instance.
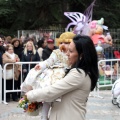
(109, 10)
(33, 14)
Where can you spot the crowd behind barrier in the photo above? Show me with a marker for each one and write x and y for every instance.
(109, 62)
(40, 33)
(109, 72)
(108, 69)
(26, 49)
(115, 33)
(4, 78)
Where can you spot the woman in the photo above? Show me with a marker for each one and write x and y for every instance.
(17, 47)
(10, 57)
(18, 50)
(75, 86)
(29, 55)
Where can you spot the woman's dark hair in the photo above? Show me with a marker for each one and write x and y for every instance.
(40, 42)
(87, 59)
(14, 40)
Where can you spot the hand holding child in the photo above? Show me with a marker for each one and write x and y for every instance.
(37, 67)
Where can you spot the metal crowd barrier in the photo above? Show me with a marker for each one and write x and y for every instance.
(109, 72)
(4, 78)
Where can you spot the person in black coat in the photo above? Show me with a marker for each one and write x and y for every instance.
(2, 50)
(48, 50)
(17, 47)
(29, 55)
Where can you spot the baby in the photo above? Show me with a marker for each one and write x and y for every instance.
(49, 71)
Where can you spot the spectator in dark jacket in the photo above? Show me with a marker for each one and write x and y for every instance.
(29, 55)
(2, 50)
(48, 50)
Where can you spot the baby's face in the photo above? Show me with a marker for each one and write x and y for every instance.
(63, 46)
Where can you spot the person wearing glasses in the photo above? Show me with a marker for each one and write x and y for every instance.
(10, 57)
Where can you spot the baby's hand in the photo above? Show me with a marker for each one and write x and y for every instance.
(37, 67)
(30, 87)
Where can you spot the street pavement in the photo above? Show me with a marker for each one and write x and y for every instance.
(97, 109)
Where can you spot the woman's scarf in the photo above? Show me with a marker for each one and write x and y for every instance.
(11, 55)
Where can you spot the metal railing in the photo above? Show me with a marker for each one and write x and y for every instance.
(109, 72)
(39, 33)
(13, 90)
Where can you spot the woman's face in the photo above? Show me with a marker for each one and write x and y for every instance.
(72, 54)
(16, 44)
(29, 47)
(10, 50)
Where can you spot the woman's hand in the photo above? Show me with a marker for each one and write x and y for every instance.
(17, 60)
(37, 67)
(14, 60)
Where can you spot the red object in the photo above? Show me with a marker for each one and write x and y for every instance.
(50, 41)
(16, 59)
(95, 38)
(117, 54)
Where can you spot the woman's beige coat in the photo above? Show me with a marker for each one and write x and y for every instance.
(17, 68)
(74, 89)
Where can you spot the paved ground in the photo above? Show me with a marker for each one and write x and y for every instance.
(97, 109)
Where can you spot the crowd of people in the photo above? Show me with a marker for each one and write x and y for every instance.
(18, 50)
(66, 74)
